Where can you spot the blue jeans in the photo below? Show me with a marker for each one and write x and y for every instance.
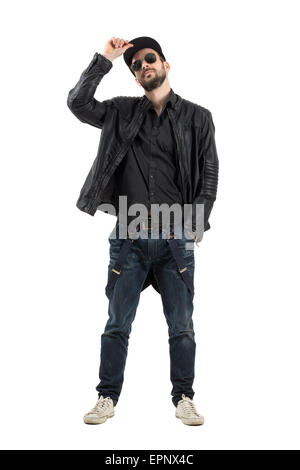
(123, 302)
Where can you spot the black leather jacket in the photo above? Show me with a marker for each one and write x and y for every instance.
(120, 119)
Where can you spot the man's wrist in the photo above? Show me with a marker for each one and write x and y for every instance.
(107, 57)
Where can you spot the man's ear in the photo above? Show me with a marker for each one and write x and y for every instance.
(138, 82)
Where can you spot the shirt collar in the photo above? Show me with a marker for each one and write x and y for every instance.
(172, 98)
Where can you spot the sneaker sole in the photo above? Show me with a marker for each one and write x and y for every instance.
(190, 423)
(88, 420)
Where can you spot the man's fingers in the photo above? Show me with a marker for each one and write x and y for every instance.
(193, 236)
(119, 42)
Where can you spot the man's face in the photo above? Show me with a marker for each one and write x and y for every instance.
(157, 75)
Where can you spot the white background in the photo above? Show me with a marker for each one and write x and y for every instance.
(239, 59)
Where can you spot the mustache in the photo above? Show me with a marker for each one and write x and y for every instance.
(149, 70)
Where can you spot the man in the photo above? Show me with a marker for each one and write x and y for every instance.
(154, 150)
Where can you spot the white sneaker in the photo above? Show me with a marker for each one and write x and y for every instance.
(186, 411)
(103, 409)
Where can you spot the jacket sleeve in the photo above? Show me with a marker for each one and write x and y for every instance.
(81, 99)
(209, 164)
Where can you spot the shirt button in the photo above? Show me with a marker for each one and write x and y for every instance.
(152, 194)
(151, 176)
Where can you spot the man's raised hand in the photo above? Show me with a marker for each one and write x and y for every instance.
(116, 47)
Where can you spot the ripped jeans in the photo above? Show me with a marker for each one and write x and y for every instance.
(144, 254)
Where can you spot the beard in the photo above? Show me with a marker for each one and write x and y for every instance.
(158, 78)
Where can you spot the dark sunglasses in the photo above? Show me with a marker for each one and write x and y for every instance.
(150, 58)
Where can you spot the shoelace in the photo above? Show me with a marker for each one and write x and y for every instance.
(189, 406)
(101, 404)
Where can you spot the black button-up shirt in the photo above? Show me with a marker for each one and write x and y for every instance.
(149, 172)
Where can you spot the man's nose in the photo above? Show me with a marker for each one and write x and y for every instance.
(145, 65)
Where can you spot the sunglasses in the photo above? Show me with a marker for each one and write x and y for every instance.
(150, 58)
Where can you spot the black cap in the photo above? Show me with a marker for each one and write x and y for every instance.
(141, 43)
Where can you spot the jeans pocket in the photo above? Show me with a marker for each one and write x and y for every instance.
(186, 245)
